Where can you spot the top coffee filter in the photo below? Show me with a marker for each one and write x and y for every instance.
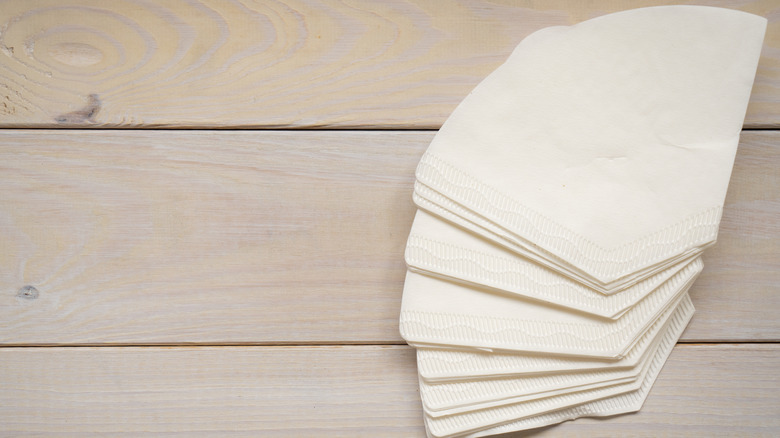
(602, 150)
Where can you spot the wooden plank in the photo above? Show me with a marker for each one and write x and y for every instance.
(703, 390)
(304, 63)
(232, 391)
(739, 290)
(337, 391)
(143, 237)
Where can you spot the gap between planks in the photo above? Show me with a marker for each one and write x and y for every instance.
(685, 343)
(335, 129)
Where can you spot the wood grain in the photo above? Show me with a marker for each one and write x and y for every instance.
(341, 391)
(703, 390)
(739, 291)
(302, 63)
(145, 236)
(169, 237)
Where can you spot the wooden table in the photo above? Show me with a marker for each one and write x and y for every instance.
(161, 276)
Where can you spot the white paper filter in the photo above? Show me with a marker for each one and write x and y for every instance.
(465, 396)
(447, 365)
(517, 415)
(605, 148)
(448, 398)
(564, 207)
(437, 312)
(469, 394)
(438, 248)
(437, 204)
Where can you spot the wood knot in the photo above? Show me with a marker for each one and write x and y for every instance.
(28, 293)
(83, 116)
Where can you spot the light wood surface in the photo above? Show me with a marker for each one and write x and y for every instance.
(302, 63)
(248, 283)
(339, 391)
(147, 237)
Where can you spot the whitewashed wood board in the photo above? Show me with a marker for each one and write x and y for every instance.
(301, 63)
(150, 237)
(338, 391)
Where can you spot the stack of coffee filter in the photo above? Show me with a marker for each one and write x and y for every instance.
(563, 210)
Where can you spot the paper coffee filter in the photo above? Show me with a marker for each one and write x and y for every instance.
(455, 398)
(619, 404)
(447, 398)
(438, 248)
(444, 208)
(475, 421)
(437, 312)
(461, 396)
(447, 365)
(564, 206)
(605, 147)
